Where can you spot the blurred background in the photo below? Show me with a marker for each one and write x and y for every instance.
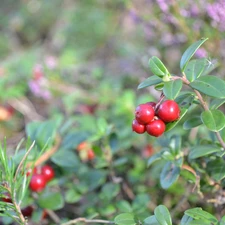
(80, 62)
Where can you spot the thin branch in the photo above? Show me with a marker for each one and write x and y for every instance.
(87, 221)
(23, 159)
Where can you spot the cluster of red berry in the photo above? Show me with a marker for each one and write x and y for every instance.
(151, 117)
(85, 151)
(40, 177)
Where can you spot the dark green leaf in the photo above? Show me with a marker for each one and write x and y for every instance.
(125, 219)
(203, 150)
(185, 99)
(216, 103)
(151, 220)
(210, 85)
(162, 215)
(169, 175)
(159, 87)
(150, 81)
(175, 144)
(51, 200)
(192, 122)
(157, 67)
(190, 51)
(124, 206)
(217, 169)
(199, 214)
(141, 201)
(109, 191)
(171, 125)
(154, 158)
(72, 196)
(195, 68)
(172, 88)
(213, 119)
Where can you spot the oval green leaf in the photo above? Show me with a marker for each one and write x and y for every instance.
(203, 150)
(169, 175)
(162, 215)
(216, 103)
(213, 119)
(151, 220)
(210, 85)
(195, 68)
(125, 219)
(216, 169)
(172, 88)
(199, 214)
(154, 158)
(190, 52)
(150, 81)
(157, 67)
(192, 122)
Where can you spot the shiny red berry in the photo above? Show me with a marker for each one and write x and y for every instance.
(153, 104)
(137, 127)
(90, 154)
(27, 211)
(37, 182)
(169, 111)
(156, 128)
(144, 113)
(48, 172)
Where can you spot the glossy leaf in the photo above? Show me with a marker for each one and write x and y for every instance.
(192, 122)
(125, 219)
(162, 215)
(199, 214)
(169, 175)
(153, 80)
(151, 220)
(51, 200)
(157, 67)
(172, 88)
(210, 85)
(214, 119)
(175, 144)
(190, 51)
(195, 68)
(203, 150)
(171, 125)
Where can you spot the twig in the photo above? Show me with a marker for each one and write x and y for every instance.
(53, 216)
(87, 221)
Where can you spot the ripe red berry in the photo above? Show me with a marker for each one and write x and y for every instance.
(37, 182)
(48, 172)
(156, 128)
(90, 154)
(153, 104)
(144, 113)
(137, 127)
(169, 111)
(27, 211)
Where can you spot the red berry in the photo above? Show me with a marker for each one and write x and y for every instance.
(153, 104)
(137, 127)
(27, 211)
(30, 172)
(148, 151)
(144, 113)
(156, 128)
(48, 172)
(90, 154)
(7, 198)
(37, 182)
(169, 111)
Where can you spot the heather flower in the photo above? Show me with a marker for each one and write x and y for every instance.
(164, 5)
(201, 53)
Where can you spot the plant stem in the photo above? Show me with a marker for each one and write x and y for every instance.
(87, 221)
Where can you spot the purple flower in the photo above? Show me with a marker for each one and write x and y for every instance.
(164, 5)
(201, 53)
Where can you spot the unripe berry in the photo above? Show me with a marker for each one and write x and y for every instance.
(156, 128)
(144, 113)
(137, 127)
(90, 154)
(169, 111)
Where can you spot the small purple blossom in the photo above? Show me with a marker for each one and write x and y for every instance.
(201, 53)
(51, 62)
(164, 5)
(134, 16)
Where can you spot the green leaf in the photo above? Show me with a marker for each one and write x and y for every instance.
(195, 68)
(199, 214)
(213, 119)
(190, 51)
(51, 200)
(141, 201)
(210, 85)
(192, 122)
(157, 67)
(222, 221)
(169, 175)
(125, 219)
(185, 99)
(172, 88)
(203, 150)
(151, 220)
(186, 220)
(150, 81)
(216, 103)
(171, 125)
(72, 196)
(154, 158)
(175, 144)
(217, 169)
(162, 215)
(124, 206)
